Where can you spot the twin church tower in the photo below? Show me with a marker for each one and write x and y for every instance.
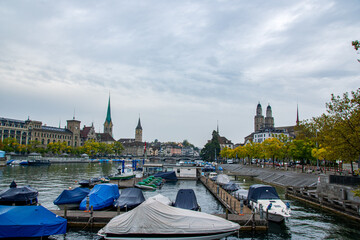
(263, 123)
(108, 126)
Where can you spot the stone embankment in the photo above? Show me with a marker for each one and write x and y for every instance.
(272, 176)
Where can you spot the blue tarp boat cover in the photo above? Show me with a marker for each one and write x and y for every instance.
(29, 221)
(101, 196)
(231, 186)
(168, 176)
(186, 199)
(18, 195)
(260, 191)
(75, 195)
(130, 198)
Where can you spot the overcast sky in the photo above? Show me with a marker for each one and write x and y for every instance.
(181, 65)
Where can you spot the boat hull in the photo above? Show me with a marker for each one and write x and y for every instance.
(70, 206)
(168, 236)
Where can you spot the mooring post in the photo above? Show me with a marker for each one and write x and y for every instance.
(227, 213)
(241, 207)
(65, 211)
(118, 210)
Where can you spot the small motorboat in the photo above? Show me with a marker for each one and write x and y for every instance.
(71, 198)
(102, 196)
(155, 220)
(231, 187)
(240, 194)
(38, 162)
(222, 179)
(86, 183)
(150, 183)
(124, 173)
(18, 196)
(186, 199)
(129, 199)
(265, 198)
(161, 198)
(168, 176)
(29, 221)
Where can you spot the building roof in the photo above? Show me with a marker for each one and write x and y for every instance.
(55, 129)
(105, 137)
(85, 131)
(224, 140)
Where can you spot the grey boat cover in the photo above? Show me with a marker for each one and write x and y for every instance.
(162, 199)
(222, 179)
(154, 217)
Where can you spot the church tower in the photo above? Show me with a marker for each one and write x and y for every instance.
(138, 132)
(269, 120)
(259, 119)
(108, 125)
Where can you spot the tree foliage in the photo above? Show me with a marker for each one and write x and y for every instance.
(211, 150)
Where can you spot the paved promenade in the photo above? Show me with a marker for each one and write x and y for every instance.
(279, 177)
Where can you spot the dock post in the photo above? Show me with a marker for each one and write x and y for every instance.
(227, 213)
(261, 212)
(65, 211)
(118, 210)
(91, 215)
(242, 207)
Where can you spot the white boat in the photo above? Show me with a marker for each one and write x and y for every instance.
(265, 198)
(124, 173)
(155, 220)
(222, 179)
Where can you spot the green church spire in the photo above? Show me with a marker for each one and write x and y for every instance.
(108, 115)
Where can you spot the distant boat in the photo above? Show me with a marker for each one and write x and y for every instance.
(168, 176)
(155, 220)
(29, 221)
(101, 196)
(129, 199)
(240, 194)
(19, 196)
(231, 186)
(71, 199)
(186, 199)
(222, 179)
(265, 198)
(124, 173)
(38, 162)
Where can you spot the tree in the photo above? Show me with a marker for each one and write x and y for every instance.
(356, 45)
(340, 127)
(117, 148)
(301, 150)
(211, 150)
(272, 148)
(10, 144)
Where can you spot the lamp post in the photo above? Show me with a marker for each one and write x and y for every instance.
(317, 159)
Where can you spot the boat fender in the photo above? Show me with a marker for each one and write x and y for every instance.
(287, 204)
(269, 206)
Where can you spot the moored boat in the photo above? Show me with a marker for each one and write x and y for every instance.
(71, 198)
(18, 196)
(161, 198)
(155, 220)
(265, 198)
(129, 199)
(186, 199)
(222, 179)
(168, 176)
(29, 221)
(38, 162)
(124, 173)
(102, 196)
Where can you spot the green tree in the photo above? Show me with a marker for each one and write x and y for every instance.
(117, 148)
(272, 148)
(10, 144)
(211, 150)
(301, 150)
(356, 45)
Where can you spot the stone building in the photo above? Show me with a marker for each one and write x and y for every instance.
(265, 127)
(28, 130)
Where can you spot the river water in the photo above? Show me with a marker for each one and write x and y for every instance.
(307, 222)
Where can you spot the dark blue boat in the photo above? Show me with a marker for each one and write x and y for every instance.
(260, 191)
(168, 176)
(231, 186)
(129, 198)
(29, 221)
(101, 196)
(71, 198)
(186, 199)
(18, 196)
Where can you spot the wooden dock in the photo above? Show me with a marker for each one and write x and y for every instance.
(235, 210)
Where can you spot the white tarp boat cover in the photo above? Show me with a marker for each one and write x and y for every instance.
(222, 179)
(161, 198)
(154, 217)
